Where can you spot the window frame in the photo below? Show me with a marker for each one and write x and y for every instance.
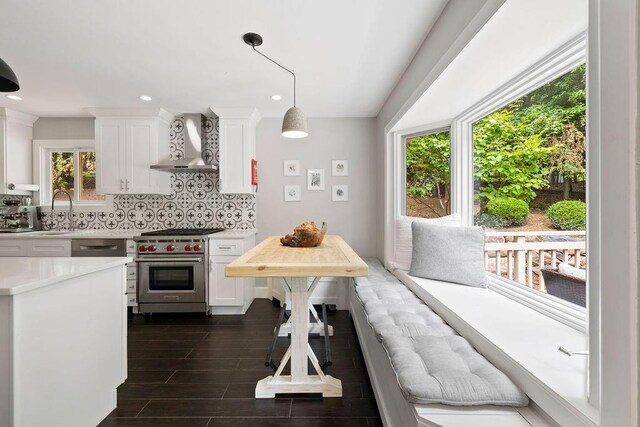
(558, 63)
(403, 166)
(550, 68)
(395, 171)
(42, 150)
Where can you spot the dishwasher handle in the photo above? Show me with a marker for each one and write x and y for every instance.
(98, 247)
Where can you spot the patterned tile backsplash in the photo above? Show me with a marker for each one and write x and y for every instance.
(194, 202)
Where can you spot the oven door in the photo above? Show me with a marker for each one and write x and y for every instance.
(171, 279)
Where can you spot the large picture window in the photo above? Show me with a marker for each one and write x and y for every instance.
(529, 161)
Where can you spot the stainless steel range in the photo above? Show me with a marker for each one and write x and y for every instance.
(173, 270)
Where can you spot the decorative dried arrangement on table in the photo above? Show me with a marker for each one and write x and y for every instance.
(306, 235)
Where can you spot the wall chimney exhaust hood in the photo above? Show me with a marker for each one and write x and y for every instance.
(192, 160)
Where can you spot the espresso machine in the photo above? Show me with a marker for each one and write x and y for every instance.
(18, 217)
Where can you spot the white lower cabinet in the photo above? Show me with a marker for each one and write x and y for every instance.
(35, 247)
(229, 295)
(49, 248)
(224, 290)
(132, 277)
(10, 247)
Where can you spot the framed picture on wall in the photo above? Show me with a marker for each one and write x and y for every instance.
(315, 179)
(291, 193)
(291, 168)
(340, 193)
(339, 168)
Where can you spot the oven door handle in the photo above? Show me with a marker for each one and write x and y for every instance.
(167, 259)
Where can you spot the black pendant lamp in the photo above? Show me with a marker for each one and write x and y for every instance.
(294, 124)
(8, 79)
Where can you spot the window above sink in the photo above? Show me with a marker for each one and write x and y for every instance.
(68, 165)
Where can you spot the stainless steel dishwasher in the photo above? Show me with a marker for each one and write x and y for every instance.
(106, 247)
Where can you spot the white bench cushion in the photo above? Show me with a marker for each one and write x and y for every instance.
(405, 321)
(448, 370)
(378, 275)
(386, 294)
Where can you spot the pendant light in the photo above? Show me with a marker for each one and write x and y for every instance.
(8, 79)
(294, 124)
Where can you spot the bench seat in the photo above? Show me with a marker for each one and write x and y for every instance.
(394, 407)
(395, 293)
(403, 320)
(446, 369)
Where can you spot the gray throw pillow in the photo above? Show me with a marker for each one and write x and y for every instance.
(449, 254)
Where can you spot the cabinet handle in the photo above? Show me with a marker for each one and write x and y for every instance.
(127, 185)
(121, 184)
(225, 248)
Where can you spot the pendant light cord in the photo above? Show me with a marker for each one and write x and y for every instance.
(284, 68)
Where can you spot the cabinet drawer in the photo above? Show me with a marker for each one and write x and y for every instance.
(132, 288)
(13, 248)
(132, 300)
(132, 272)
(226, 247)
(49, 248)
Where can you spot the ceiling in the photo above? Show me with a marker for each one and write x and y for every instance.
(520, 34)
(347, 55)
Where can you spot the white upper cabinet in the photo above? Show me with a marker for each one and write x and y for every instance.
(237, 148)
(128, 142)
(16, 138)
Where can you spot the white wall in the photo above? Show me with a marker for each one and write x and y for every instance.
(64, 128)
(352, 139)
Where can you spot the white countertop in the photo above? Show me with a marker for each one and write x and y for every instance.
(233, 234)
(114, 234)
(66, 234)
(22, 274)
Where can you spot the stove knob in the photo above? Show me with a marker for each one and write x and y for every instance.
(196, 248)
(142, 248)
(152, 248)
(187, 248)
(170, 248)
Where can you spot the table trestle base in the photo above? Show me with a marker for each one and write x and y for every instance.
(267, 388)
(299, 353)
(316, 327)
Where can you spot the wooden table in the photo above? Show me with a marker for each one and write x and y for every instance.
(334, 258)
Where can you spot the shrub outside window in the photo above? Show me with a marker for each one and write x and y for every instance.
(428, 175)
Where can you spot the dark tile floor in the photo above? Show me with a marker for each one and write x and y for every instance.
(190, 371)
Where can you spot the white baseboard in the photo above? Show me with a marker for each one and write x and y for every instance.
(262, 292)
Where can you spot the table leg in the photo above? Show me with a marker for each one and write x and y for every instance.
(298, 353)
(316, 327)
(299, 329)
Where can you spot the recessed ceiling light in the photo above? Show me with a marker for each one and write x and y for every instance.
(276, 97)
(14, 97)
(145, 97)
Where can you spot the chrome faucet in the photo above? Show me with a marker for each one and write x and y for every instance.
(53, 201)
